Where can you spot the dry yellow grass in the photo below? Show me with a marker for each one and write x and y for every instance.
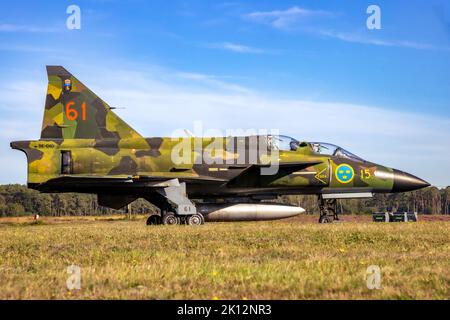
(258, 260)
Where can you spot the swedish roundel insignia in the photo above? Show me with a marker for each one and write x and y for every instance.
(344, 173)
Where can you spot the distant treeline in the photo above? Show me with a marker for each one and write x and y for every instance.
(18, 200)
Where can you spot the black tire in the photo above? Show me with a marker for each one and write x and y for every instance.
(170, 219)
(325, 219)
(195, 220)
(154, 220)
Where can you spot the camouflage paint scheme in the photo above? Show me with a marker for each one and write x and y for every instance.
(110, 158)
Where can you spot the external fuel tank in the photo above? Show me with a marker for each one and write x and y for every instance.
(247, 211)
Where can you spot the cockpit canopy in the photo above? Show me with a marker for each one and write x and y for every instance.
(333, 150)
(283, 143)
(286, 143)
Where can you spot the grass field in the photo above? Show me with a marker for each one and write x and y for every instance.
(289, 259)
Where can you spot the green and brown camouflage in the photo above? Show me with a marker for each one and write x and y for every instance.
(85, 147)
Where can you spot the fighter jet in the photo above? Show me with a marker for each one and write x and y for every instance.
(85, 147)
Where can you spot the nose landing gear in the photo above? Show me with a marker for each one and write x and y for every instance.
(328, 210)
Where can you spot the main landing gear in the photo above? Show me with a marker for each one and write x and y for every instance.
(176, 207)
(170, 218)
(328, 210)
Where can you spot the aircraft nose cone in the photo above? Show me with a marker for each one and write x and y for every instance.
(407, 182)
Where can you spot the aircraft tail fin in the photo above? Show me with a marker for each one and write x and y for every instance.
(72, 111)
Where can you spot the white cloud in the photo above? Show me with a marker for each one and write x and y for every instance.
(234, 47)
(284, 19)
(355, 38)
(5, 27)
(32, 49)
(22, 96)
(290, 19)
(159, 101)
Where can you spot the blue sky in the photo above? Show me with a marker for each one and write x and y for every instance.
(311, 69)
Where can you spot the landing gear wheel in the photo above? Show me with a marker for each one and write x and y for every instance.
(170, 219)
(195, 220)
(325, 219)
(154, 219)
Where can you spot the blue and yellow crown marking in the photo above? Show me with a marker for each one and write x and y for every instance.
(344, 173)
